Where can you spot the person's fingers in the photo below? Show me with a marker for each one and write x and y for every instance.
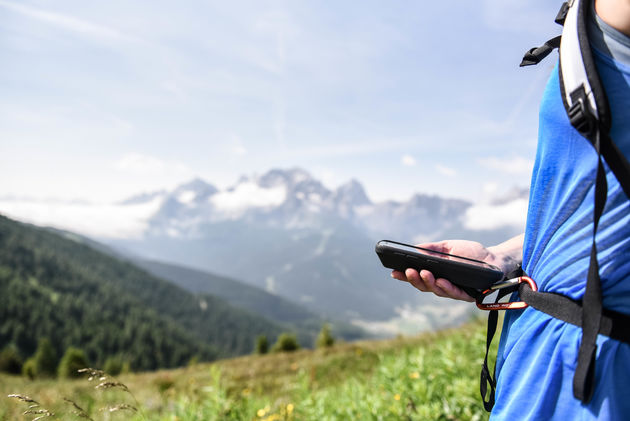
(435, 287)
(440, 246)
(396, 274)
(426, 282)
(452, 290)
(414, 279)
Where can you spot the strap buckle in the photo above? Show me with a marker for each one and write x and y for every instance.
(510, 283)
(580, 114)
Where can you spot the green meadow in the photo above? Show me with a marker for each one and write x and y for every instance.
(433, 376)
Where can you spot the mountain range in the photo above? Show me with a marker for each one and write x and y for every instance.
(287, 233)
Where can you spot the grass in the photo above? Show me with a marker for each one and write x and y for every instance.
(428, 377)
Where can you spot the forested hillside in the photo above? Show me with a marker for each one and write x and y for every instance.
(53, 287)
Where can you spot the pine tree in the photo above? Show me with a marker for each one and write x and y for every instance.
(286, 343)
(325, 338)
(262, 345)
(72, 361)
(10, 360)
(29, 368)
(45, 359)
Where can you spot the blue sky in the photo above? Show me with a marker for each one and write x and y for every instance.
(101, 100)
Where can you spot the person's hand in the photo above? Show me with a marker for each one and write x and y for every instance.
(502, 256)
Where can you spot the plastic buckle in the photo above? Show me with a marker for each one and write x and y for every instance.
(510, 283)
(581, 118)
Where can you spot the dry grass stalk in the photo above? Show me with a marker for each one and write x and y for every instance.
(120, 407)
(80, 412)
(94, 374)
(38, 412)
(24, 398)
(31, 408)
(43, 416)
(110, 384)
(107, 382)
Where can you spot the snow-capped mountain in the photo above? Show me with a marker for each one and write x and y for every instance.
(293, 199)
(288, 233)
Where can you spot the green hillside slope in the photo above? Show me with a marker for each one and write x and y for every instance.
(429, 377)
(53, 287)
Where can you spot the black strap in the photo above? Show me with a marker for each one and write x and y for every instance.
(488, 379)
(613, 324)
(537, 54)
(584, 377)
(562, 13)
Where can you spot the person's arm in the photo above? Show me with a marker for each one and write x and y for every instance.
(615, 13)
(505, 256)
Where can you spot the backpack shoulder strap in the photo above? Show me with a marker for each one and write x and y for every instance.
(579, 80)
(583, 94)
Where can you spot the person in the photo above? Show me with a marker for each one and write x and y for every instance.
(537, 353)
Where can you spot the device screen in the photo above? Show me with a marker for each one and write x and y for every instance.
(433, 253)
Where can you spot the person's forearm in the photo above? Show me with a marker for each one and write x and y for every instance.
(615, 13)
(509, 253)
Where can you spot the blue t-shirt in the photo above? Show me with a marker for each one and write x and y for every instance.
(537, 353)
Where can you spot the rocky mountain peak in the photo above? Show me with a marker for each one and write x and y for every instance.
(352, 193)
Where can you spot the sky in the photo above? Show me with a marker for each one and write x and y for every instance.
(104, 100)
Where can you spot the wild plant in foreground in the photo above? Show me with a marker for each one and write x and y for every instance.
(107, 382)
(104, 382)
(34, 407)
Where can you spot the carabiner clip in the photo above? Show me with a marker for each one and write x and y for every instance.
(510, 283)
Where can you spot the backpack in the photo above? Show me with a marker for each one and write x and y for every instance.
(588, 110)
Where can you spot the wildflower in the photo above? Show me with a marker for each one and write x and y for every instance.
(397, 397)
(246, 392)
(294, 366)
(290, 408)
(414, 375)
(261, 412)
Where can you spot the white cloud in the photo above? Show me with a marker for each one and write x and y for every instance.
(69, 23)
(487, 216)
(490, 189)
(247, 195)
(408, 160)
(510, 165)
(444, 170)
(91, 219)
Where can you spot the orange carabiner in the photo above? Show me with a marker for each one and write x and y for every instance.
(513, 305)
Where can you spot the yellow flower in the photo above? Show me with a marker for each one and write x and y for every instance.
(290, 408)
(397, 397)
(414, 375)
(261, 412)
